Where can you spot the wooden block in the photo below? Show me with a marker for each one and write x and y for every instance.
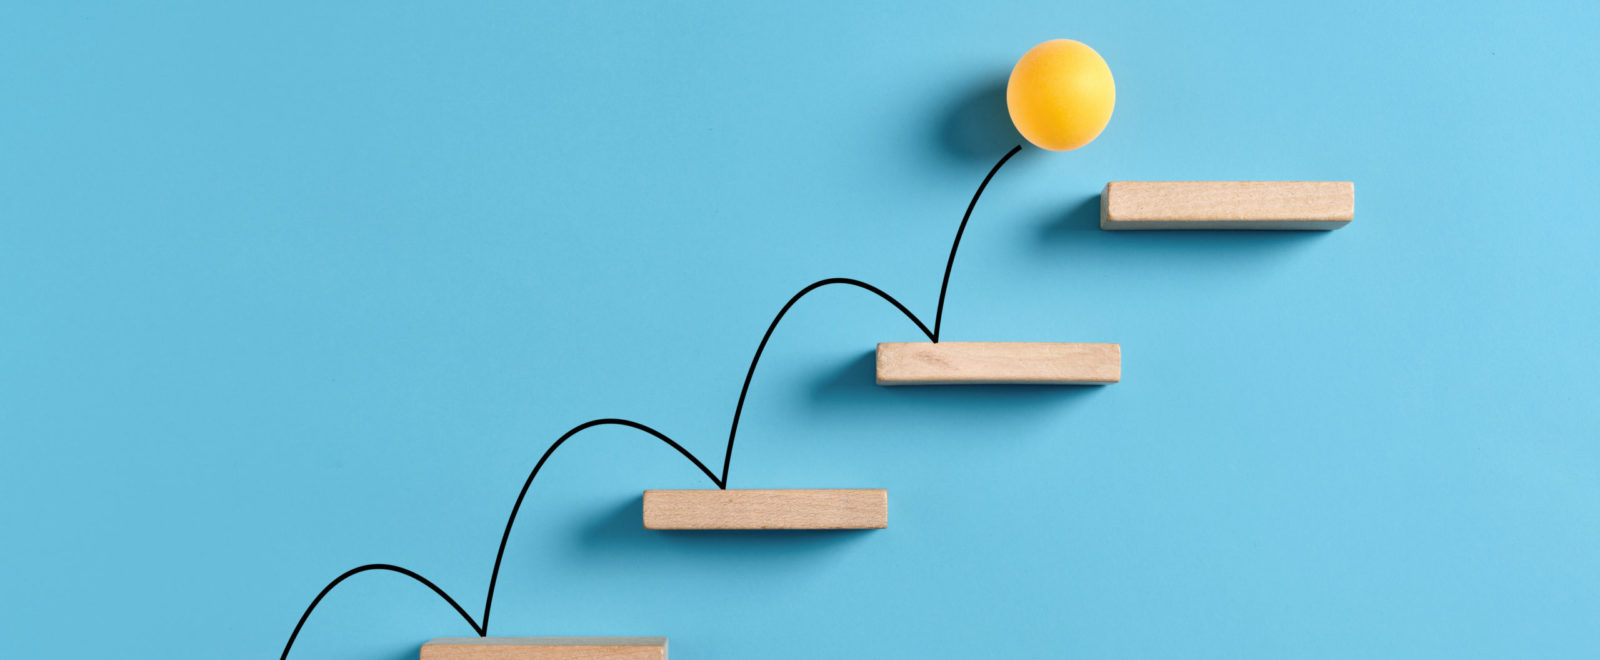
(1227, 204)
(859, 508)
(998, 363)
(546, 648)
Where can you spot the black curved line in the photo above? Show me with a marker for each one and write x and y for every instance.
(376, 567)
(494, 576)
(738, 409)
(938, 315)
(721, 482)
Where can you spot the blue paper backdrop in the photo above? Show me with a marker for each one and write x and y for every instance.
(293, 287)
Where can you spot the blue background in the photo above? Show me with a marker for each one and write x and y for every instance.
(288, 289)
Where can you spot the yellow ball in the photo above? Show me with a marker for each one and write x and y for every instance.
(1060, 95)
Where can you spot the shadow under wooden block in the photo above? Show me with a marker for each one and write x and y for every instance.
(842, 508)
(546, 648)
(998, 363)
(1227, 204)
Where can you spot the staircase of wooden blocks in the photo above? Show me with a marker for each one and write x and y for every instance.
(1125, 205)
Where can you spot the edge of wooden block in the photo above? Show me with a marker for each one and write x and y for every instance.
(546, 641)
(1105, 205)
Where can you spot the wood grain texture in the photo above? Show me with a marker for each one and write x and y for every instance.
(998, 363)
(1227, 204)
(546, 648)
(859, 508)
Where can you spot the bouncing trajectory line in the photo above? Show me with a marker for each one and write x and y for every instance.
(938, 314)
(481, 627)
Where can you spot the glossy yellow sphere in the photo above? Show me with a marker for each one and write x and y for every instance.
(1060, 95)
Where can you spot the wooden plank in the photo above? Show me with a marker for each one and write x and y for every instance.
(1227, 204)
(546, 648)
(998, 363)
(858, 508)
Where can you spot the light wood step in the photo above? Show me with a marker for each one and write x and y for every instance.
(998, 363)
(546, 648)
(859, 508)
(1227, 204)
